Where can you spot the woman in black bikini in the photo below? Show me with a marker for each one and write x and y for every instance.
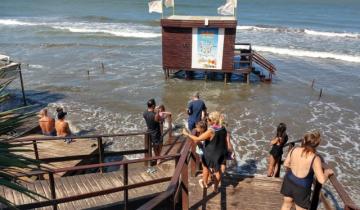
(277, 149)
(214, 152)
(303, 163)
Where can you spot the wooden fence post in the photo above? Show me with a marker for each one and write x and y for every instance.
(22, 86)
(315, 196)
(193, 165)
(185, 186)
(101, 152)
(52, 188)
(126, 197)
(147, 145)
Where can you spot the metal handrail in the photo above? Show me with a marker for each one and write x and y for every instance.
(49, 138)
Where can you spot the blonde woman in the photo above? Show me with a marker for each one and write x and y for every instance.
(214, 152)
(303, 163)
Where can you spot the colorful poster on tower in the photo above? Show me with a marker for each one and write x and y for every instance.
(207, 48)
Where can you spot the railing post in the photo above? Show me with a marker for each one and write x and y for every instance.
(52, 188)
(193, 160)
(147, 145)
(22, 86)
(101, 152)
(125, 184)
(315, 196)
(36, 151)
(185, 186)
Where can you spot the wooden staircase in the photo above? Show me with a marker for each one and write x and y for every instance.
(249, 57)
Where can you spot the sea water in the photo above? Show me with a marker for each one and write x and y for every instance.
(59, 42)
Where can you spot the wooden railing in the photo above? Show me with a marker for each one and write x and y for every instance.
(179, 183)
(100, 154)
(347, 201)
(54, 201)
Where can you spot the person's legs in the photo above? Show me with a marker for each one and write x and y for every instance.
(217, 181)
(271, 166)
(287, 203)
(191, 125)
(276, 166)
(205, 178)
(157, 149)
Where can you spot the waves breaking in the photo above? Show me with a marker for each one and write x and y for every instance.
(115, 29)
(301, 31)
(307, 53)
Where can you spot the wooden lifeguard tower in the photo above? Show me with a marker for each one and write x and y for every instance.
(207, 43)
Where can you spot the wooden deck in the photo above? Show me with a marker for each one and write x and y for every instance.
(238, 193)
(80, 184)
(59, 148)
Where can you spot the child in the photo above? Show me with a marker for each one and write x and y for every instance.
(200, 128)
(163, 115)
(277, 149)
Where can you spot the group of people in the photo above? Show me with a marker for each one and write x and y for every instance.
(209, 132)
(50, 127)
(301, 164)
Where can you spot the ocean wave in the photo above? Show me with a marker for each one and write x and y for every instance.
(118, 32)
(306, 53)
(115, 29)
(13, 22)
(296, 30)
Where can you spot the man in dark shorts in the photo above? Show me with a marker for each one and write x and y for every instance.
(152, 119)
(196, 110)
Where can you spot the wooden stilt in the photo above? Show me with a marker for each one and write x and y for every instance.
(22, 86)
(248, 78)
(165, 77)
(225, 78)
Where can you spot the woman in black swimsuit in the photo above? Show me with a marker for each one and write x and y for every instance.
(277, 149)
(303, 163)
(214, 152)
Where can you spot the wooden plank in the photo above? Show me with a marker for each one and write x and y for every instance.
(74, 190)
(58, 148)
(82, 188)
(61, 192)
(92, 187)
(104, 180)
(101, 185)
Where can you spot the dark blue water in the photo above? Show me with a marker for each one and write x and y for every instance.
(60, 41)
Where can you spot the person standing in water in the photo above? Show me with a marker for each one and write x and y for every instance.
(62, 127)
(164, 115)
(276, 151)
(46, 123)
(196, 110)
(152, 119)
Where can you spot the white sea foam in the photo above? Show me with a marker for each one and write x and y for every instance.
(118, 32)
(331, 34)
(35, 66)
(115, 29)
(307, 53)
(13, 22)
(303, 31)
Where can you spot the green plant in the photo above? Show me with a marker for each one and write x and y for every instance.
(9, 161)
